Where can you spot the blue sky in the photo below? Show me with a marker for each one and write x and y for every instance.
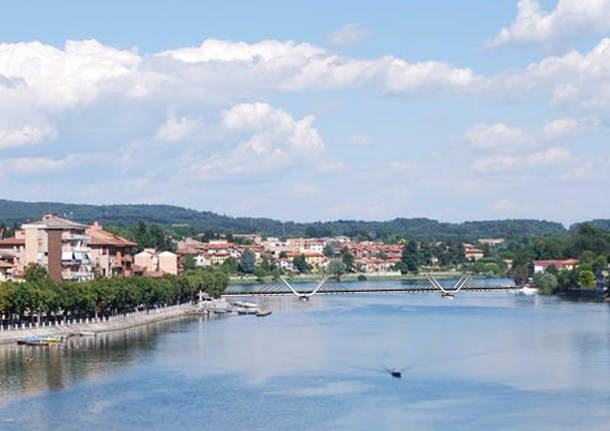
(311, 110)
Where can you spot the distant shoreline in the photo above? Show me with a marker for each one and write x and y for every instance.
(309, 278)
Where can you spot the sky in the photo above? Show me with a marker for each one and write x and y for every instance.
(311, 110)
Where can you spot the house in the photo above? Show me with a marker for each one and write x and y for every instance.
(61, 246)
(472, 253)
(542, 265)
(13, 250)
(491, 241)
(7, 267)
(150, 263)
(111, 254)
(168, 263)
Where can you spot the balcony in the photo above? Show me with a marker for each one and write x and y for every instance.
(77, 276)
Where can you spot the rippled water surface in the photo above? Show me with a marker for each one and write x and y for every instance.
(485, 360)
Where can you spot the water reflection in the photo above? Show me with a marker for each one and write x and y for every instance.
(486, 360)
(59, 366)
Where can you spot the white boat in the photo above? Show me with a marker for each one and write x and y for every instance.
(527, 291)
(245, 304)
(262, 312)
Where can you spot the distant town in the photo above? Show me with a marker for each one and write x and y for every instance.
(73, 251)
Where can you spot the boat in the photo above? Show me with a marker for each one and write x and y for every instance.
(244, 310)
(33, 341)
(395, 372)
(447, 295)
(527, 291)
(51, 340)
(262, 312)
(245, 304)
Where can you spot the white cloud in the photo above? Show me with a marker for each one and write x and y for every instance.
(25, 135)
(536, 160)
(270, 139)
(496, 136)
(562, 127)
(30, 165)
(349, 34)
(53, 79)
(175, 129)
(505, 138)
(570, 17)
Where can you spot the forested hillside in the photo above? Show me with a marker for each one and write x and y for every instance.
(12, 212)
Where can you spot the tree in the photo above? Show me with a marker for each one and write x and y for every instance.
(283, 255)
(382, 255)
(247, 262)
(36, 274)
(586, 279)
(410, 256)
(230, 265)
(328, 250)
(348, 259)
(336, 267)
(520, 274)
(188, 262)
(546, 282)
(300, 264)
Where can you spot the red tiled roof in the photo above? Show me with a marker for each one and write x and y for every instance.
(100, 237)
(12, 241)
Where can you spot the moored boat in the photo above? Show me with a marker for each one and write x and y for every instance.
(33, 341)
(262, 312)
(527, 291)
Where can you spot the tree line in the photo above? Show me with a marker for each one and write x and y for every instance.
(38, 298)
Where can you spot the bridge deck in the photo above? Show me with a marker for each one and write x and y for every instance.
(360, 291)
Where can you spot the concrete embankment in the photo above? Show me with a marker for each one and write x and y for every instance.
(114, 323)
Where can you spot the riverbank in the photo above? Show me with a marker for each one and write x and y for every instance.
(96, 326)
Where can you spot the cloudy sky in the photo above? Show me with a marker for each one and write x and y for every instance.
(311, 110)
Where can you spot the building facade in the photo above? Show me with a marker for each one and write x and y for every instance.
(61, 246)
(111, 254)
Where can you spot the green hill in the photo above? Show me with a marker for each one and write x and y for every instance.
(18, 212)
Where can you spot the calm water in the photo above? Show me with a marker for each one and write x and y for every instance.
(482, 361)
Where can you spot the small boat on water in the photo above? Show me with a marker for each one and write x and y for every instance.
(245, 310)
(43, 340)
(33, 341)
(245, 304)
(395, 372)
(262, 312)
(527, 291)
(86, 334)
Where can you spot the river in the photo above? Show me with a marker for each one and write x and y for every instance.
(484, 360)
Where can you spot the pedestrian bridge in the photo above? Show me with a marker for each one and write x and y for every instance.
(429, 284)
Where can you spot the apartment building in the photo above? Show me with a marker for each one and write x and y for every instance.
(111, 255)
(61, 246)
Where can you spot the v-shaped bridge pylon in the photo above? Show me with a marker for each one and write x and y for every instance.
(305, 296)
(462, 281)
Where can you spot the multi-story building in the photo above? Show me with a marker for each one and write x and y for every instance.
(111, 255)
(61, 246)
(12, 252)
